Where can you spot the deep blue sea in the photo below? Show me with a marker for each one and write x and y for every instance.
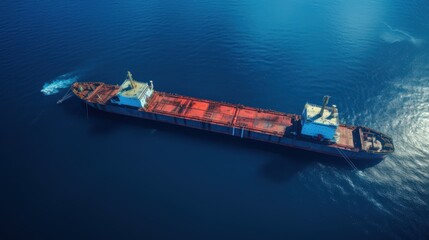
(69, 175)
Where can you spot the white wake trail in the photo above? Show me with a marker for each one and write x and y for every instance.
(397, 35)
(61, 82)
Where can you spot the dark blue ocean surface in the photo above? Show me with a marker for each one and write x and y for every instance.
(66, 176)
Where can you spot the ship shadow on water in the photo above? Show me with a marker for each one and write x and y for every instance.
(285, 164)
(281, 169)
(100, 122)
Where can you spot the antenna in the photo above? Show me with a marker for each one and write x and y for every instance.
(325, 102)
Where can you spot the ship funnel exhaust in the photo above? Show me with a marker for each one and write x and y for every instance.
(325, 102)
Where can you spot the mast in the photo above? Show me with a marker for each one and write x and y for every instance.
(130, 78)
(325, 102)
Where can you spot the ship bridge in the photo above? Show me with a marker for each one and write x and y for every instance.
(133, 93)
(320, 121)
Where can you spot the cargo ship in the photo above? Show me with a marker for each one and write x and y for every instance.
(317, 129)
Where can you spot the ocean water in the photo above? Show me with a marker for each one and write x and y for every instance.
(71, 174)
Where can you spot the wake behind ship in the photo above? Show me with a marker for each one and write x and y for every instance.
(317, 129)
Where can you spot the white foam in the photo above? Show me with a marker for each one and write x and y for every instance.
(61, 82)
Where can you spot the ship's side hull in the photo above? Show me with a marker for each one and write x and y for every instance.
(289, 141)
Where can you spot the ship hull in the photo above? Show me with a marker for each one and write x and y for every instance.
(287, 141)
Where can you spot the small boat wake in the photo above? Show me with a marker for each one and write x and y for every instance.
(397, 35)
(61, 82)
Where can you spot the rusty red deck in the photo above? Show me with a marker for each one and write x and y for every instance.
(95, 92)
(346, 137)
(258, 120)
(103, 93)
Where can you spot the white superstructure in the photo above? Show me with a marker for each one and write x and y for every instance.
(320, 121)
(133, 93)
